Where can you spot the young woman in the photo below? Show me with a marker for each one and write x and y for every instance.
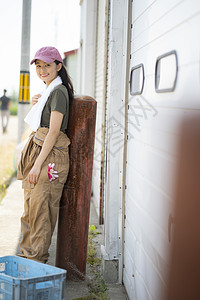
(44, 163)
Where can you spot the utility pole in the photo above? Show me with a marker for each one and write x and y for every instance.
(24, 91)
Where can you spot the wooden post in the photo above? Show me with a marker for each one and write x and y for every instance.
(73, 222)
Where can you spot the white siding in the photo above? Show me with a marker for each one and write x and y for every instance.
(100, 84)
(115, 129)
(72, 67)
(105, 159)
(86, 52)
(158, 27)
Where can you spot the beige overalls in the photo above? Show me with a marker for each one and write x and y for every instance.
(41, 200)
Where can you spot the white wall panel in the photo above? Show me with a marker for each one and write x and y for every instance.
(127, 279)
(140, 7)
(151, 201)
(152, 25)
(100, 98)
(154, 165)
(163, 137)
(86, 51)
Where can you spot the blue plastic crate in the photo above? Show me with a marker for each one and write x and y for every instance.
(25, 279)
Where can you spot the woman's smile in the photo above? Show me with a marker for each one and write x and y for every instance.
(44, 75)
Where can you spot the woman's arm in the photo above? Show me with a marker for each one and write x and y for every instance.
(50, 139)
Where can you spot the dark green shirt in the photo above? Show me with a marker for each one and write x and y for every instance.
(58, 101)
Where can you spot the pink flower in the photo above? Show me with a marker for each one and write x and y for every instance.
(52, 174)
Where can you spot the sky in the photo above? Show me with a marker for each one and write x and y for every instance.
(53, 23)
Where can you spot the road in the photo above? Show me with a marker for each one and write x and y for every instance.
(11, 207)
(11, 135)
(8, 142)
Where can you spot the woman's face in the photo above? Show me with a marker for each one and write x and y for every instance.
(47, 71)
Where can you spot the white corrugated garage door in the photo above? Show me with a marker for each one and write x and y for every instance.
(165, 87)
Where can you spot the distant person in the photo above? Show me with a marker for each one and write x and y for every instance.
(5, 102)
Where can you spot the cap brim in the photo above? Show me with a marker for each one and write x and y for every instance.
(32, 61)
(45, 59)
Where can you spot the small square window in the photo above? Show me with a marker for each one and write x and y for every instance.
(166, 72)
(137, 80)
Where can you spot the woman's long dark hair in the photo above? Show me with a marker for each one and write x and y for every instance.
(66, 81)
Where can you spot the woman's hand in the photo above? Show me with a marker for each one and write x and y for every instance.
(34, 174)
(35, 98)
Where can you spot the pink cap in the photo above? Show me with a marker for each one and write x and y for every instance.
(47, 54)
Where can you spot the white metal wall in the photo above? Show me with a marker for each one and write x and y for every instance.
(159, 26)
(71, 65)
(86, 52)
(100, 86)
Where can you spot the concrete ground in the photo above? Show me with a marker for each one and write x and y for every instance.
(11, 209)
